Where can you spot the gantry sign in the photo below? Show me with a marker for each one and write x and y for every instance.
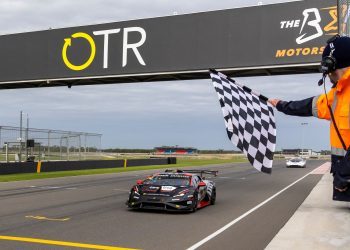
(271, 39)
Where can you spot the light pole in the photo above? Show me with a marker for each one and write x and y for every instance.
(303, 124)
(20, 139)
(20, 136)
(27, 135)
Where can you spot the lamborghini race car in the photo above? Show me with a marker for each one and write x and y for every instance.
(175, 190)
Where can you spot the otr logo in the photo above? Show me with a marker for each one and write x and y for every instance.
(105, 33)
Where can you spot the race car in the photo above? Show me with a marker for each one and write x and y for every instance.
(174, 190)
(296, 162)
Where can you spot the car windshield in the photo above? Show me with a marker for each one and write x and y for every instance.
(296, 160)
(169, 180)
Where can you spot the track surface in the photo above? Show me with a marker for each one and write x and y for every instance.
(91, 210)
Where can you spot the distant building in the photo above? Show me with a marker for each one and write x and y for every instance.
(301, 152)
(175, 150)
(291, 151)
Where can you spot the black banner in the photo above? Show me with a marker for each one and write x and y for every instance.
(270, 39)
(53, 166)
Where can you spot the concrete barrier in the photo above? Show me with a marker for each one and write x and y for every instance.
(18, 167)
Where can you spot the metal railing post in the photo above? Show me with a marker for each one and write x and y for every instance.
(79, 148)
(7, 152)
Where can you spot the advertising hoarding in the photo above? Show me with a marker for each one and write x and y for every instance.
(281, 38)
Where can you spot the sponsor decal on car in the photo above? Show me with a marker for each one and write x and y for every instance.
(168, 188)
(210, 186)
(151, 189)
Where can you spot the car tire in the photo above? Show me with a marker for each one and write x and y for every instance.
(213, 197)
(130, 197)
(195, 203)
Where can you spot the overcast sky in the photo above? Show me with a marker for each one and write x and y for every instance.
(186, 113)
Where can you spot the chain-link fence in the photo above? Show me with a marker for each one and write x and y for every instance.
(343, 17)
(46, 144)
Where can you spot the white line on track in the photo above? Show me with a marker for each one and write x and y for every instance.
(230, 224)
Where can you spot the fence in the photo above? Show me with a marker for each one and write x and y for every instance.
(48, 144)
(344, 17)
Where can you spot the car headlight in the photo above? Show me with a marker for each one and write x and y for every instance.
(179, 195)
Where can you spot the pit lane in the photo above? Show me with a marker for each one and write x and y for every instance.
(98, 217)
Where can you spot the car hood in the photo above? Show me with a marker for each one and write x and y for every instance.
(161, 189)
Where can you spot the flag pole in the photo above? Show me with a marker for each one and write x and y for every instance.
(249, 90)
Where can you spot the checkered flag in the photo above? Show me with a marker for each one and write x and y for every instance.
(249, 120)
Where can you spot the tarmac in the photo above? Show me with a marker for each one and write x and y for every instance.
(319, 223)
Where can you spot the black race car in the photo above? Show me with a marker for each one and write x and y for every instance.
(176, 190)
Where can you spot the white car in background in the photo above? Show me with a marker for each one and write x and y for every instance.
(296, 162)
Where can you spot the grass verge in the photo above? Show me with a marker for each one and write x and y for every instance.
(181, 162)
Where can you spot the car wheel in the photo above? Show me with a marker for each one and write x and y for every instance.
(213, 197)
(130, 197)
(195, 203)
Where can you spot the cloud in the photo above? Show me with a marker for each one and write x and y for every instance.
(29, 15)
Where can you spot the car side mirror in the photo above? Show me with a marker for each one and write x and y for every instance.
(139, 182)
(202, 184)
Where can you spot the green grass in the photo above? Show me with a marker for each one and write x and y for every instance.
(181, 162)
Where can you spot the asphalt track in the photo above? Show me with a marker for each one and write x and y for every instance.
(65, 213)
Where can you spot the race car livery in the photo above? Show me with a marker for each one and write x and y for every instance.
(176, 190)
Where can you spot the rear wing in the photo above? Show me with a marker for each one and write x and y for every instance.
(193, 171)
